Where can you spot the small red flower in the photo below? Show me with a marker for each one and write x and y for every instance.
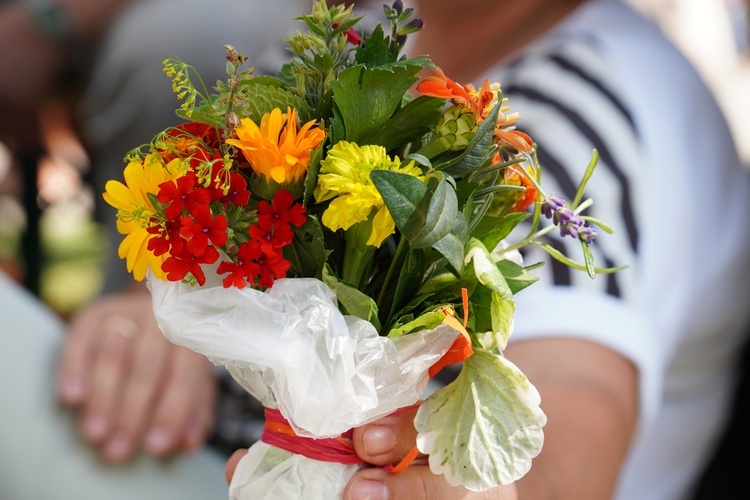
(182, 194)
(245, 269)
(272, 267)
(167, 238)
(201, 229)
(271, 238)
(282, 211)
(178, 266)
(238, 194)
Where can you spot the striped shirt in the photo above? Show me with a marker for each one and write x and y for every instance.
(670, 185)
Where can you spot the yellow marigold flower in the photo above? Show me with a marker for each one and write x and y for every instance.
(134, 211)
(276, 150)
(345, 176)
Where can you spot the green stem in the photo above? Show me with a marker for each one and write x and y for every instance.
(356, 260)
(394, 262)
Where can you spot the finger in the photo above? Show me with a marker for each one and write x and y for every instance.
(76, 360)
(232, 464)
(141, 385)
(178, 402)
(110, 365)
(202, 419)
(415, 483)
(388, 440)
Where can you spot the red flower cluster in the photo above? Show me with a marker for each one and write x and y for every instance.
(260, 260)
(194, 224)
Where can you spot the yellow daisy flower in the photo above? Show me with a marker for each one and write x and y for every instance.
(134, 211)
(345, 178)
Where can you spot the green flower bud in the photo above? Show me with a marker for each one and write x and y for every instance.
(458, 126)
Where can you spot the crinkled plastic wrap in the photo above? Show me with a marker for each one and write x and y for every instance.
(291, 348)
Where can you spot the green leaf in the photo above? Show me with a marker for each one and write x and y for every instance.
(591, 220)
(375, 51)
(351, 299)
(263, 99)
(401, 193)
(434, 217)
(557, 255)
(365, 98)
(588, 259)
(585, 179)
(311, 180)
(516, 276)
(427, 321)
(409, 279)
(492, 230)
(452, 245)
(406, 196)
(410, 122)
(264, 80)
(483, 429)
(492, 317)
(308, 250)
(477, 152)
(502, 323)
(485, 269)
(260, 99)
(286, 76)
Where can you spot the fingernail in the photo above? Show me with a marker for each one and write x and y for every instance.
(72, 391)
(158, 440)
(364, 489)
(118, 448)
(378, 439)
(95, 427)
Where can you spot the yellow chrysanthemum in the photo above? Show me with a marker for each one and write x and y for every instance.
(134, 211)
(277, 150)
(345, 176)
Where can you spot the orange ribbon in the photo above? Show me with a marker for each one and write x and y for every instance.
(459, 352)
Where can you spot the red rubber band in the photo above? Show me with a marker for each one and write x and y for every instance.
(277, 432)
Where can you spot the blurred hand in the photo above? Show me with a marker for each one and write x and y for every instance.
(135, 389)
(29, 66)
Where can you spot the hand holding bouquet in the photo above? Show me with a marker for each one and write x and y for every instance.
(334, 241)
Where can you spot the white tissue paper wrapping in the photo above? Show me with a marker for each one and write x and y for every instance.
(292, 349)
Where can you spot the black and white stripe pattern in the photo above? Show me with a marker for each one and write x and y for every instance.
(570, 104)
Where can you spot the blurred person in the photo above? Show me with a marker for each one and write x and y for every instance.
(715, 36)
(636, 370)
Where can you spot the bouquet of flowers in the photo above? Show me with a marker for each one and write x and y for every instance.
(334, 241)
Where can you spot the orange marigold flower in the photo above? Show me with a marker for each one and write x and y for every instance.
(464, 95)
(514, 138)
(515, 175)
(277, 150)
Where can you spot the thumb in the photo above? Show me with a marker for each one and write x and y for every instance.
(232, 464)
(387, 440)
(415, 483)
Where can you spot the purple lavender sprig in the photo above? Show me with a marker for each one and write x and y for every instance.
(567, 221)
